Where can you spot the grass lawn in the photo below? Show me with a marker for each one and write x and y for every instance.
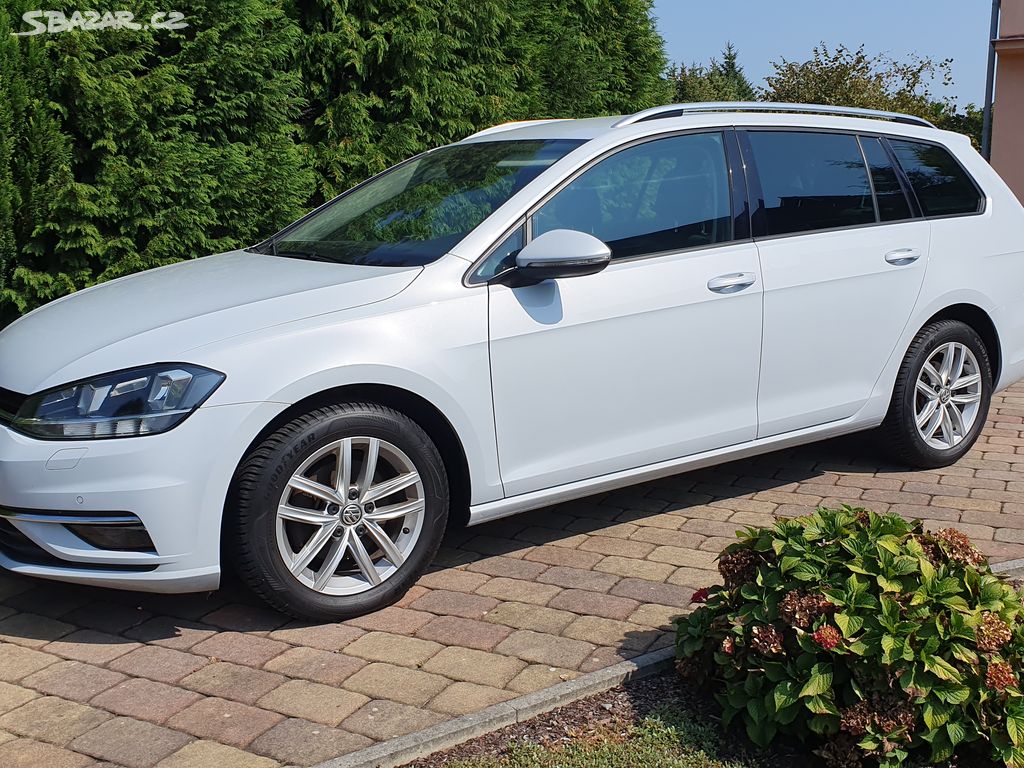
(668, 737)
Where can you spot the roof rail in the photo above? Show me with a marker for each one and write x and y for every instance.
(509, 126)
(677, 110)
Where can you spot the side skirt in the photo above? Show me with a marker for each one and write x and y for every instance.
(494, 510)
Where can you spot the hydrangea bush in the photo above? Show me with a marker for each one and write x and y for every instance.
(879, 642)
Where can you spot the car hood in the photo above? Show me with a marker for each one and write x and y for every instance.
(161, 314)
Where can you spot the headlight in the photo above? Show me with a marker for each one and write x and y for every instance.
(140, 401)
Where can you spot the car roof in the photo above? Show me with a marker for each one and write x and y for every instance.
(703, 115)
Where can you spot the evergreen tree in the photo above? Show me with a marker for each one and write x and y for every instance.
(730, 71)
(718, 81)
(591, 57)
(385, 79)
(141, 147)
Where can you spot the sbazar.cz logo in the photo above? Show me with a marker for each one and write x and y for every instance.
(54, 22)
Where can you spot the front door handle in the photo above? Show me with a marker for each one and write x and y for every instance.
(732, 283)
(903, 256)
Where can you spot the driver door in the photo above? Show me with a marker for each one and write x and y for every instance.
(655, 358)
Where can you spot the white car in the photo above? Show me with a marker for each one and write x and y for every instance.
(542, 311)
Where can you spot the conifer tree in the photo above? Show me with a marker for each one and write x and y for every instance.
(137, 148)
(591, 57)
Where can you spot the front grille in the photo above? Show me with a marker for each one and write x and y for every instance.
(10, 404)
(17, 546)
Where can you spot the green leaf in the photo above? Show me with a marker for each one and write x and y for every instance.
(941, 668)
(788, 563)
(849, 625)
(1015, 726)
(935, 715)
(786, 694)
(889, 585)
(952, 693)
(821, 705)
(820, 682)
(956, 732)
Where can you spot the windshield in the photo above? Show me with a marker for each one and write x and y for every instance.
(416, 212)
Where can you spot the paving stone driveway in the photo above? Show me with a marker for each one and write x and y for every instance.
(513, 607)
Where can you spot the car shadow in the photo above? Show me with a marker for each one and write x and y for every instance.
(38, 611)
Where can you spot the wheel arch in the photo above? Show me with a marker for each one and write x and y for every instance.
(978, 319)
(419, 409)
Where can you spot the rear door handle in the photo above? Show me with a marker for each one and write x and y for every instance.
(903, 256)
(732, 283)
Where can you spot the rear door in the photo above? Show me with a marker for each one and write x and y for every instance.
(843, 254)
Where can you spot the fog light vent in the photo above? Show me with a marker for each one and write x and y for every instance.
(123, 538)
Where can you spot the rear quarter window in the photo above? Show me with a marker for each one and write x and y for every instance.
(942, 186)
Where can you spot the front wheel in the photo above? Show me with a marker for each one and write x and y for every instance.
(941, 399)
(338, 512)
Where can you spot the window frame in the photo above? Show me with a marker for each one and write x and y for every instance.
(739, 201)
(912, 193)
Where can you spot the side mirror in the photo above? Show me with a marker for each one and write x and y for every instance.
(559, 253)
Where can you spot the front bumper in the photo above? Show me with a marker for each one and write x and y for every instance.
(174, 485)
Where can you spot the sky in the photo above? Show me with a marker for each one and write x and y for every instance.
(697, 30)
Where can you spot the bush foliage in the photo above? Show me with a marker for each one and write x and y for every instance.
(887, 644)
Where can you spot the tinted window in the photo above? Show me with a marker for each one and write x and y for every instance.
(811, 181)
(662, 195)
(942, 187)
(892, 202)
(416, 212)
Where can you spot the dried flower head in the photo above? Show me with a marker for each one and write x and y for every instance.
(766, 640)
(856, 719)
(827, 637)
(1000, 676)
(728, 646)
(701, 595)
(993, 634)
(932, 550)
(739, 567)
(801, 609)
(891, 713)
(958, 547)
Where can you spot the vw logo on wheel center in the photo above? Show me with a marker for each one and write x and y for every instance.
(352, 514)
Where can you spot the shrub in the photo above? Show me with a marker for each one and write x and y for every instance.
(885, 644)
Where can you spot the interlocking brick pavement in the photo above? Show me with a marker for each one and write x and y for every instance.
(512, 607)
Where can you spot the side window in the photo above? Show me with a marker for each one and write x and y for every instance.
(892, 202)
(663, 195)
(811, 181)
(942, 186)
(503, 257)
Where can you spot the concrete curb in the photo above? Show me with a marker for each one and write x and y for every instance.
(396, 752)
(1009, 565)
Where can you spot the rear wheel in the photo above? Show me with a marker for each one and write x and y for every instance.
(941, 398)
(338, 512)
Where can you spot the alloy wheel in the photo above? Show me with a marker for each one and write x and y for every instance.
(350, 516)
(947, 398)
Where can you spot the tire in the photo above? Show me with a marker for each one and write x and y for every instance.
(281, 509)
(901, 436)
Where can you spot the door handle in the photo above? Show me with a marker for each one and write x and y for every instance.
(903, 256)
(737, 281)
